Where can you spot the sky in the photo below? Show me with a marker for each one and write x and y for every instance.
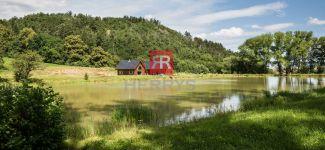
(229, 22)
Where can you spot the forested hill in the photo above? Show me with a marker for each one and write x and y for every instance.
(77, 39)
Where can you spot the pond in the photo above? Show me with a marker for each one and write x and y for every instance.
(172, 101)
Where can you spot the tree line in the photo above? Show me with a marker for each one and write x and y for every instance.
(83, 40)
(283, 52)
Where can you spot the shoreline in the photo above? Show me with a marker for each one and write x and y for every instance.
(71, 78)
(54, 73)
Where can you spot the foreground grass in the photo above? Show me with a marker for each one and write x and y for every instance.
(284, 121)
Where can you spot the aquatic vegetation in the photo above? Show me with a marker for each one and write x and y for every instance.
(134, 113)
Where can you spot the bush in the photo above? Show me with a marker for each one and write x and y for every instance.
(25, 63)
(191, 66)
(86, 76)
(30, 118)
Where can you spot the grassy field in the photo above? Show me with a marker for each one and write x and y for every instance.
(284, 121)
(53, 73)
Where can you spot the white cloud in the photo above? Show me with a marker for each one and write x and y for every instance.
(231, 32)
(316, 21)
(274, 27)
(198, 16)
(36, 3)
(231, 37)
(149, 16)
(256, 10)
(174, 13)
(10, 8)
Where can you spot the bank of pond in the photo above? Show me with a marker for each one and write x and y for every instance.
(228, 113)
(282, 121)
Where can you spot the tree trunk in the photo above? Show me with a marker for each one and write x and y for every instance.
(280, 68)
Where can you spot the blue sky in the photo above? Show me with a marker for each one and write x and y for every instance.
(227, 21)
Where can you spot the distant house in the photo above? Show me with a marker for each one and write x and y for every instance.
(131, 67)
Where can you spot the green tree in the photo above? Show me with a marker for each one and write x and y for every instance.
(76, 50)
(88, 36)
(101, 58)
(6, 36)
(229, 64)
(49, 47)
(124, 38)
(278, 51)
(302, 44)
(317, 55)
(288, 46)
(25, 63)
(21, 42)
(297, 46)
(30, 118)
(255, 54)
(188, 36)
(25, 36)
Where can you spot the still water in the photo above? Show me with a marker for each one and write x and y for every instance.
(175, 101)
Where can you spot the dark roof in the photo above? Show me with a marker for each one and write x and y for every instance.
(128, 64)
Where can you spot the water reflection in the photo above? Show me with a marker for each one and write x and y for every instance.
(178, 103)
(230, 103)
(295, 84)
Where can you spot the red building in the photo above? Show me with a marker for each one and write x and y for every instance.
(161, 62)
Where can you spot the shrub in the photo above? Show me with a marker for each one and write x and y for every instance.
(25, 63)
(86, 76)
(30, 118)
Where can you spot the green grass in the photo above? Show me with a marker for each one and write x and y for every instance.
(57, 74)
(284, 121)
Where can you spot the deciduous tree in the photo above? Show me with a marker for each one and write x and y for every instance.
(24, 63)
(25, 36)
(76, 50)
